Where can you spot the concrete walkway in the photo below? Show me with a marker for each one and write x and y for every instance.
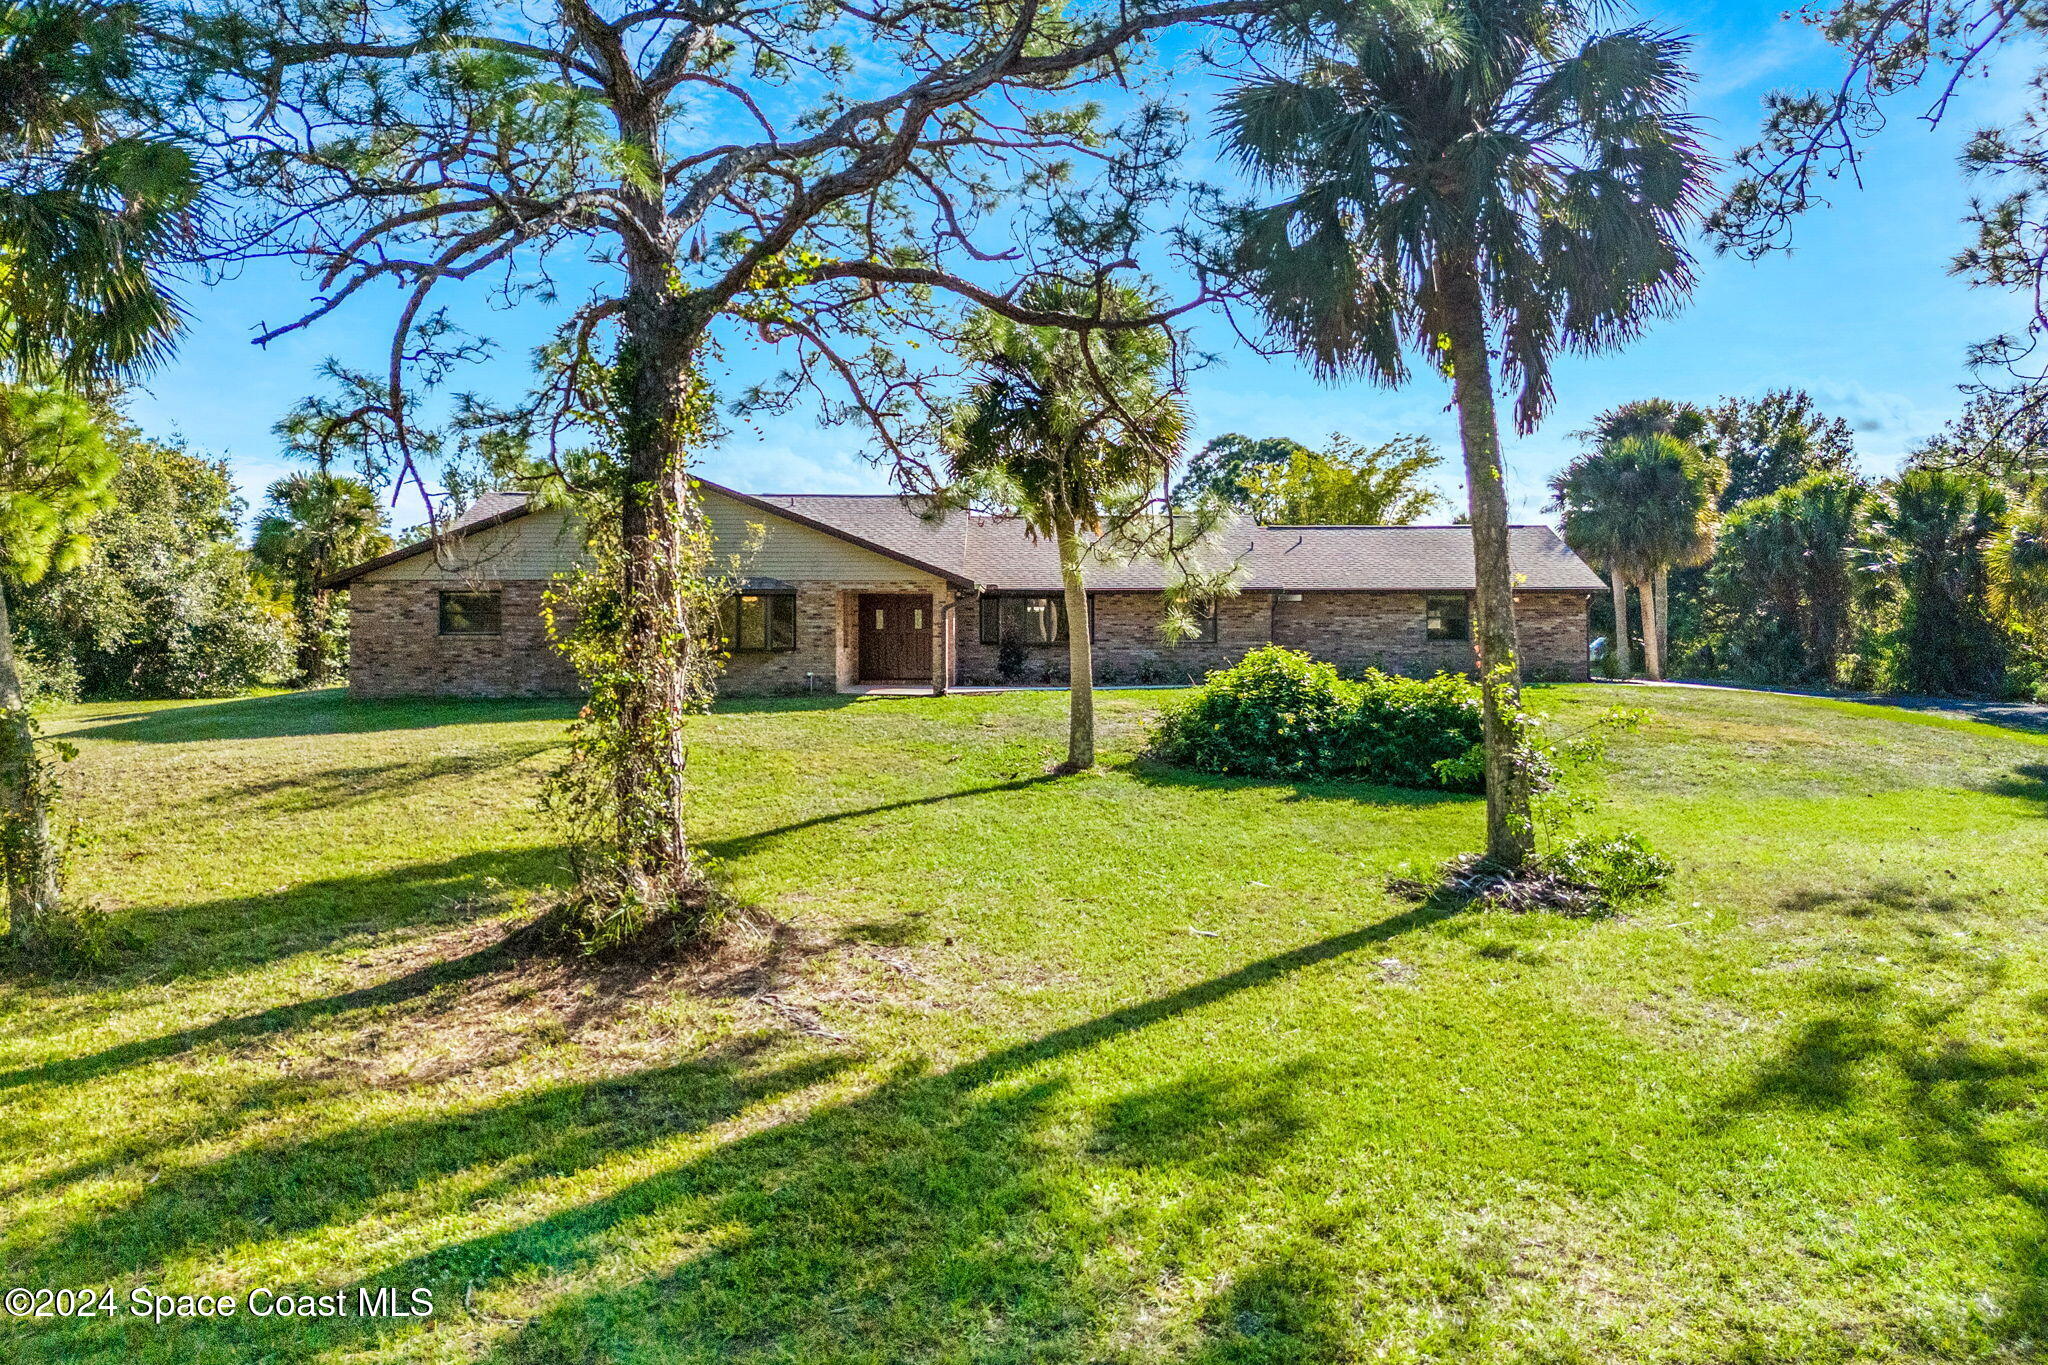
(2018, 715)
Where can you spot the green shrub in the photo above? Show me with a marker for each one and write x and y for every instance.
(1402, 729)
(1620, 870)
(1279, 713)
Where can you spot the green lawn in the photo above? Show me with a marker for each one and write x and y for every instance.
(1129, 1067)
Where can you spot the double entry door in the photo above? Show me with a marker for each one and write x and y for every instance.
(895, 637)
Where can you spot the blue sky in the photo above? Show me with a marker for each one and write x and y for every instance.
(1862, 313)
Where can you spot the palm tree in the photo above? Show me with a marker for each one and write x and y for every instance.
(313, 525)
(1499, 172)
(1594, 494)
(1643, 506)
(1075, 430)
(1790, 564)
(91, 203)
(2017, 559)
(1939, 523)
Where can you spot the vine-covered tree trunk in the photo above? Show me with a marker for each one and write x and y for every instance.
(1080, 652)
(1653, 648)
(27, 852)
(660, 560)
(1510, 833)
(1624, 656)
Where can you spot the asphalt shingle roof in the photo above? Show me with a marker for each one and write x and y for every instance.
(999, 552)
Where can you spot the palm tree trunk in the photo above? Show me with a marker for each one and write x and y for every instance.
(1653, 648)
(27, 852)
(1510, 832)
(1624, 656)
(313, 637)
(1080, 653)
(1663, 614)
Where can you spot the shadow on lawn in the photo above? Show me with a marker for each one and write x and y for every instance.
(1884, 896)
(745, 706)
(320, 711)
(1155, 773)
(919, 1218)
(1889, 1060)
(244, 1028)
(2028, 780)
(739, 845)
(209, 938)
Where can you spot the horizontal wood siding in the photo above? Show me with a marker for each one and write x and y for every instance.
(792, 552)
(536, 546)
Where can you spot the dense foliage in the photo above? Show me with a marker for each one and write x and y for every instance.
(1347, 484)
(1933, 581)
(1939, 523)
(1279, 713)
(314, 525)
(1281, 482)
(162, 602)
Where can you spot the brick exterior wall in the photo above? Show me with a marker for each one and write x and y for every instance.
(1389, 631)
(396, 648)
(827, 641)
(1353, 630)
(1552, 629)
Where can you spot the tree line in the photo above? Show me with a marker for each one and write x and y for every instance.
(166, 596)
(1743, 541)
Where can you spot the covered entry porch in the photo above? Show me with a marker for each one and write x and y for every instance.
(896, 638)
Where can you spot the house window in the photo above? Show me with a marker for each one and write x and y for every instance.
(1023, 620)
(1449, 618)
(472, 613)
(1204, 617)
(759, 622)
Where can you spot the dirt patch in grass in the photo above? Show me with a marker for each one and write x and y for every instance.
(506, 997)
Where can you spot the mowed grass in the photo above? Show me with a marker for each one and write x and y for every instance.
(1126, 1067)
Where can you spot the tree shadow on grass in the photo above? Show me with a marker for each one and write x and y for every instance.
(740, 845)
(1155, 773)
(746, 706)
(918, 1219)
(278, 1019)
(203, 939)
(339, 788)
(1963, 1107)
(322, 711)
(2027, 780)
(1882, 896)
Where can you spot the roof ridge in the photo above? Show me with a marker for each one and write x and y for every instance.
(898, 496)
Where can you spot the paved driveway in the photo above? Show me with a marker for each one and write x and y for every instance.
(2022, 715)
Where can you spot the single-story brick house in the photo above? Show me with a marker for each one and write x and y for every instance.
(839, 591)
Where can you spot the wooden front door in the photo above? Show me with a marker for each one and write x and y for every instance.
(895, 637)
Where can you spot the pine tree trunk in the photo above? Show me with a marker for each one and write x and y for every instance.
(1663, 615)
(1080, 653)
(661, 531)
(1624, 656)
(1653, 649)
(1510, 832)
(28, 853)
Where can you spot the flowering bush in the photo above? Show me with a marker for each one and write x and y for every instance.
(1279, 713)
